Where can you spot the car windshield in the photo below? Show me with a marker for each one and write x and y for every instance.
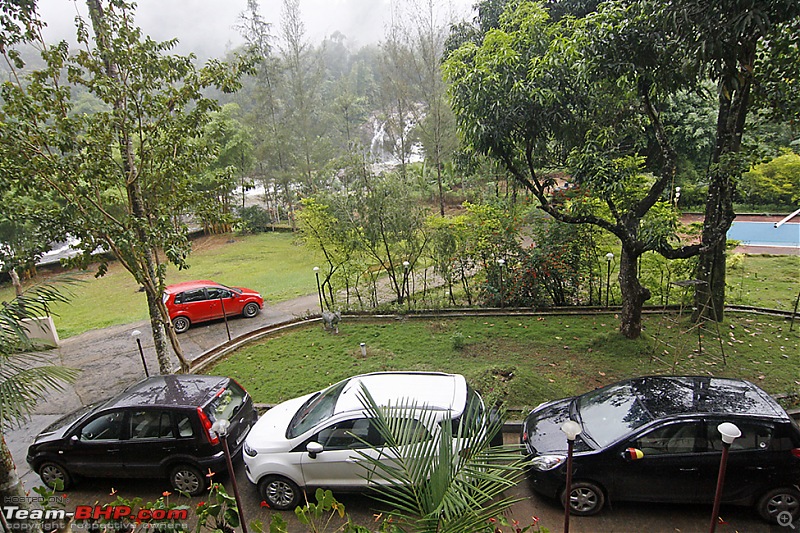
(610, 413)
(233, 289)
(316, 409)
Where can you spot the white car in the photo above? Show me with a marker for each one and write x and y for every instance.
(316, 440)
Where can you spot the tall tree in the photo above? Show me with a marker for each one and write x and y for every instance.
(428, 25)
(124, 172)
(303, 77)
(535, 92)
(731, 44)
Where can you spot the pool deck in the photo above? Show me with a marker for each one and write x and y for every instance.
(751, 249)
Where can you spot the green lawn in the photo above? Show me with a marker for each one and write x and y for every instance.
(523, 361)
(771, 281)
(271, 263)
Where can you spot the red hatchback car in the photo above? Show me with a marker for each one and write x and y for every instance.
(191, 302)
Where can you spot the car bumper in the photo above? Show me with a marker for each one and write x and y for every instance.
(549, 483)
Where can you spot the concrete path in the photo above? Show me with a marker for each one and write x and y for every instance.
(109, 360)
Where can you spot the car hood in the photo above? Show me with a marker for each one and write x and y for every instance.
(248, 292)
(269, 433)
(59, 428)
(542, 433)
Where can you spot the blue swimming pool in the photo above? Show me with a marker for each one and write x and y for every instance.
(765, 234)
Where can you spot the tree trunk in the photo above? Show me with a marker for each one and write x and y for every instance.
(11, 489)
(633, 295)
(734, 97)
(16, 282)
(710, 296)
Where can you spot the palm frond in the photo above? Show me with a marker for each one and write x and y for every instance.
(439, 481)
(26, 376)
(34, 302)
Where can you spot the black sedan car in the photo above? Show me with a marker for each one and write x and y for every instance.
(158, 428)
(655, 439)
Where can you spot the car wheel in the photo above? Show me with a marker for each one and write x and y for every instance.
(55, 476)
(585, 499)
(181, 324)
(250, 310)
(774, 504)
(279, 492)
(188, 479)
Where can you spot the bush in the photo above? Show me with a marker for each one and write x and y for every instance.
(254, 219)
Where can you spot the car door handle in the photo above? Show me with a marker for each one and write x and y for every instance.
(112, 450)
(688, 469)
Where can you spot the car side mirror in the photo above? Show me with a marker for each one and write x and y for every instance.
(73, 439)
(313, 448)
(632, 454)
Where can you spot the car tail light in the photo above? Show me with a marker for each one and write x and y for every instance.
(796, 452)
(207, 426)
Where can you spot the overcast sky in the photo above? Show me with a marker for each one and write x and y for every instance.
(207, 27)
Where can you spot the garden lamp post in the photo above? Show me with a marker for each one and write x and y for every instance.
(502, 263)
(220, 428)
(677, 195)
(135, 334)
(571, 429)
(729, 433)
(609, 258)
(319, 289)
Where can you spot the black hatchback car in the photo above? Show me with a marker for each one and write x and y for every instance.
(158, 428)
(655, 439)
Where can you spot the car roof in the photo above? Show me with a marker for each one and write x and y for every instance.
(181, 390)
(188, 285)
(665, 396)
(434, 390)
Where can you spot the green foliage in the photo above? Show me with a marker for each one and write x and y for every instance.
(448, 481)
(219, 513)
(458, 340)
(319, 517)
(25, 375)
(774, 182)
(254, 219)
(549, 272)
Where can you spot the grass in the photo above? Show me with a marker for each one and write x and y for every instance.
(271, 263)
(522, 361)
(771, 281)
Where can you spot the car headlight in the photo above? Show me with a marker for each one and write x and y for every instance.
(248, 451)
(544, 463)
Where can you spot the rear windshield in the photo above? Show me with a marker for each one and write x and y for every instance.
(227, 402)
(315, 410)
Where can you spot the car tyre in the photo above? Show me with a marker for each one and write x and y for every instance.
(279, 492)
(181, 324)
(51, 473)
(774, 503)
(250, 310)
(586, 498)
(188, 479)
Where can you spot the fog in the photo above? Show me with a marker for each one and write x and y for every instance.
(208, 27)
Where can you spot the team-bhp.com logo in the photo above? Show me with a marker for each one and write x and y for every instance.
(96, 512)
